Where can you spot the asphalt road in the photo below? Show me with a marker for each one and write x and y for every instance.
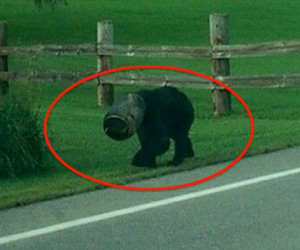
(255, 205)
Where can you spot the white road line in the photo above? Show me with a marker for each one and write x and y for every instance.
(146, 206)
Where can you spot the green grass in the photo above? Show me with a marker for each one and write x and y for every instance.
(184, 22)
(75, 133)
(75, 123)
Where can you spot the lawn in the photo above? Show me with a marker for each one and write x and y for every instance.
(75, 123)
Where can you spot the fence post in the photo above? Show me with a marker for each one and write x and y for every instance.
(3, 59)
(219, 34)
(105, 91)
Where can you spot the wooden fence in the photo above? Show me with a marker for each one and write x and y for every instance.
(219, 53)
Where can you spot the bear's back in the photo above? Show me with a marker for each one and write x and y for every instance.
(168, 105)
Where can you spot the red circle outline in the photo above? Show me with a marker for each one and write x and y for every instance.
(148, 188)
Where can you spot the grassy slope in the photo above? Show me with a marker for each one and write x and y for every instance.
(74, 124)
(184, 22)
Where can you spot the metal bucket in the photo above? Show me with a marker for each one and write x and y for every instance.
(124, 117)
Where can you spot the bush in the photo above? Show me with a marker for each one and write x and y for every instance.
(21, 142)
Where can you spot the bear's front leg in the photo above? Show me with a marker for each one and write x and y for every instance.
(183, 149)
(143, 159)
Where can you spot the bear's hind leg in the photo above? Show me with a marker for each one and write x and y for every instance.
(183, 149)
(189, 151)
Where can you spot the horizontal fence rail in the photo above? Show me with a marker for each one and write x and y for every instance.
(236, 81)
(259, 49)
(155, 51)
(51, 49)
(41, 76)
(219, 51)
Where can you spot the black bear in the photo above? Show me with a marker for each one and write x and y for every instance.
(156, 116)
